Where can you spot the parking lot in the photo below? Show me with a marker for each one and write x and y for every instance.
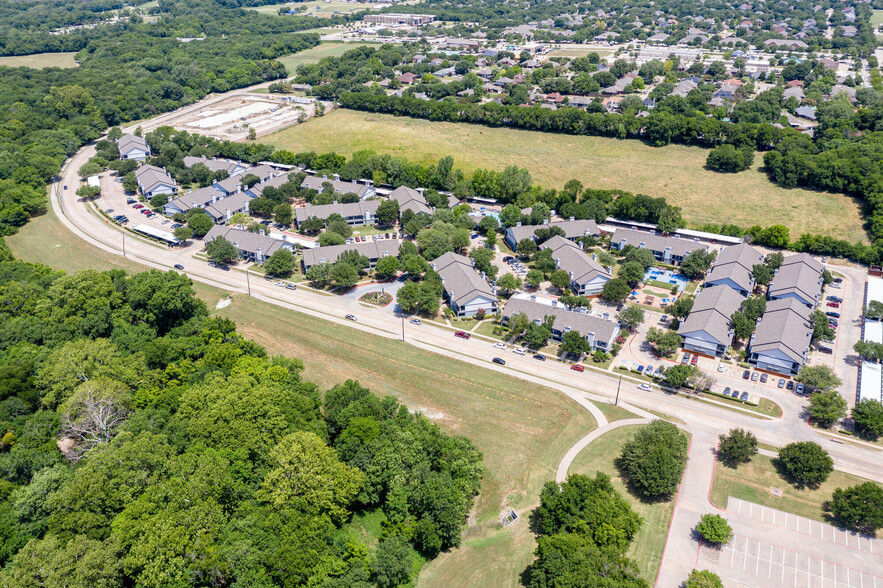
(774, 548)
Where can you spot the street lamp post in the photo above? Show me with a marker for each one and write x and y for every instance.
(124, 244)
(618, 386)
(403, 327)
(247, 282)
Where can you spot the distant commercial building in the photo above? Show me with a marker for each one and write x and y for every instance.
(391, 18)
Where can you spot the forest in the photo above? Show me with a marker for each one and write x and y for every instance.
(127, 72)
(146, 443)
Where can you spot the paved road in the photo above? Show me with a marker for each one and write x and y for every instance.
(705, 422)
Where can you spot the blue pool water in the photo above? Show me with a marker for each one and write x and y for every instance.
(667, 276)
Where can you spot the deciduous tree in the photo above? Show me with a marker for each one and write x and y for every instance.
(806, 462)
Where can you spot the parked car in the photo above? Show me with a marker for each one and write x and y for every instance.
(763, 378)
(65, 187)
(735, 394)
(664, 318)
(519, 351)
(138, 206)
(835, 299)
(475, 236)
(648, 371)
(834, 304)
(686, 359)
(836, 286)
(577, 368)
(499, 360)
(789, 385)
(838, 280)
(754, 377)
(462, 334)
(695, 360)
(108, 211)
(539, 357)
(833, 314)
(350, 317)
(415, 321)
(743, 396)
(500, 345)
(640, 369)
(645, 387)
(508, 258)
(291, 286)
(720, 368)
(826, 350)
(780, 384)
(178, 266)
(727, 391)
(833, 323)
(746, 374)
(799, 388)
(386, 235)
(224, 267)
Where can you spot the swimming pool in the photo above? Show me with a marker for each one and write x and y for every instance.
(666, 277)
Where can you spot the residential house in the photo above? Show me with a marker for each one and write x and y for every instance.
(599, 332)
(573, 230)
(133, 147)
(254, 247)
(786, 44)
(257, 190)
(658, 38)
(153, 181)
(231, 166)
(372, 250)
(410, 199)
(354, 213)
(807, 112)
(466, 291)
(669, 250)
(799, 277)
(587, 276)
(361, 190)
(708, 328)
(780, 342)
(407, 78)
(734, 267)
(793, 92)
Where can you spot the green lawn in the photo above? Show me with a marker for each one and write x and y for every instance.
(41, 60)
(676, 172)
(647, 547)
(615, 413)
(752, 482)
(314, 54)
(877, 17)
(313, 8)
(522, 429)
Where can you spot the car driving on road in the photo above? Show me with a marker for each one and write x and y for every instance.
(499, 360)
(350, 317)
(462, 334)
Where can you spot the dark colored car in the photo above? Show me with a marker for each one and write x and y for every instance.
(508, 258)
(826, 350)
(178, 266)
(789, 385)
(224, 267)
(835, 298)
(462, 334)
(727, 391)
(746, 374)
(539, 357)
(781, 384)
(833, 314)
(499, 360)
(763, 378)
(744, 396)
(686, 359)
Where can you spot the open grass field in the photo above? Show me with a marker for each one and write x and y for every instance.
(752, 482)
(41, 60)
(522, 429)
(675, 172)
(578, 52)
(647, 547)
(876, 17)
(316, 53)
(314, 8)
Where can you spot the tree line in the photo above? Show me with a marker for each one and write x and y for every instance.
(147, 443)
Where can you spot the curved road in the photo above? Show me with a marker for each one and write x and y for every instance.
(703, 420)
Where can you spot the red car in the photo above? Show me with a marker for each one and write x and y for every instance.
(462, 334)
(137, 206)
(695, 360)
(577, 368)
(834, 304)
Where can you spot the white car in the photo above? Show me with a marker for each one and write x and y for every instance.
(645, 387)
(280, 284)
(415, 321)
(836, 286)
(500, 345)
(720, 367)
(519, 351)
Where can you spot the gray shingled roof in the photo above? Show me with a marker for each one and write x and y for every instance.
(370, 249)
(571, 259)
(315, 183)
(461, 281)
(128, 142)
(213, 164)
(275, 182)
(785, 326)
(234, 203)
(799, 274)
(197, 198)
(581, 323)
(348, 209)
(711, 313)
(736, 263)
(572, 229)
(246, 240)
(410, 199)
(679, 247)
(150, 176)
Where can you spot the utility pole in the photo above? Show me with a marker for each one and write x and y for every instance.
(403, 327)
(124, 244)
(618, 386)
